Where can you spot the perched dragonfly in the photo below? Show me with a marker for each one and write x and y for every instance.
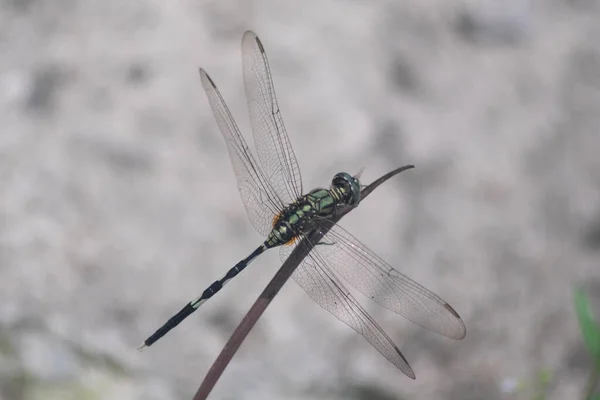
(277, 208)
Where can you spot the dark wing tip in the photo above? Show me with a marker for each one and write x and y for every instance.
(259, 43)
(407, 369)
(452, 310)
(463, 330)
(208, 78)
(249, 35)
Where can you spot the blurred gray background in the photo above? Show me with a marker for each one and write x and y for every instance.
(118, 203)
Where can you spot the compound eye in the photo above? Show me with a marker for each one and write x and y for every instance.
(340, 179)
(355, 192)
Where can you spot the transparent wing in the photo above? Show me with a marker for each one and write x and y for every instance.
(272, 143)
(326, 290)
(375, 278)
(261, 201)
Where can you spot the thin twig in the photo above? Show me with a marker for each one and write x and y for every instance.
(271, 291)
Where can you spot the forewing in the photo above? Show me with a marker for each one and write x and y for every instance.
(317, 280)
(261, 201)
(272, 142)
(373, 277)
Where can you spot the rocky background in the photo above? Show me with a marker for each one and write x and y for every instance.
(118, 203)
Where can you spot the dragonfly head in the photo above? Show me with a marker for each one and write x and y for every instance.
(349, 186)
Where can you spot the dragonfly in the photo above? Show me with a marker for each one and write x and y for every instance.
(272, 193)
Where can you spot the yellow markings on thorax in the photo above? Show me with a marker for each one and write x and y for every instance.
(292, 241)
(298, 215)
(276, 219)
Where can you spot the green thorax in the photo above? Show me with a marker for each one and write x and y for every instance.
(295, 218)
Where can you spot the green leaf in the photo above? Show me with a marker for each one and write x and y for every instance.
(590, 330)
(544, 378)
